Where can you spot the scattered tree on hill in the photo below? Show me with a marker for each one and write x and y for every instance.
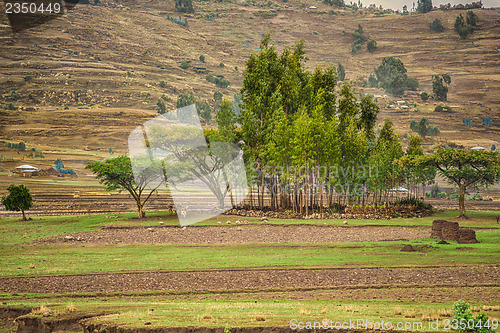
(371, 46)
(463, 168)
(391, 75)
(462, 28)
(471, 18)
(359, 38)
(405, 10)
(340, 72)
(424, 96)
(424, 6)
(58, 164)
(487, 121)
(18, 199)
(217, 96)
(202, 58)
(423, 128)
(467, 122)
(161, 106)
(438, 86)
(185, 100)
(337, 3)
(437, 26)
(184, 6)
(117, 174)
(204, 110)
(184, 64)
(372, 81)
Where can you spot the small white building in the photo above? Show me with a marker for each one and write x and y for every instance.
(313, 7)
(27, 170)
(405, 107)
(401, 102)
(478, 148)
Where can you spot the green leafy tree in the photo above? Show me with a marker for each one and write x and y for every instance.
(463, 168)
(439, 88)
(184, 6)
(340, 72)
(18, 199)
(184, 64)
(471, 18)
(436, 25)
(185, 100)
(204, 110)
(58, 164)
(424, 6)
(226, 122)
(161, 106)
(462, 28)
(117, 174)
(217, 96)
(359, 35)
(391, 75)
(424, 96)
(423, 128)
(371, 46)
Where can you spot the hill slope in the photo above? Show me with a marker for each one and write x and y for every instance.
(116, 54)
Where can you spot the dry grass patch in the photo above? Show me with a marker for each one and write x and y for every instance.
(70, 307)
(259, 317)
(40, 310)
(397, 311)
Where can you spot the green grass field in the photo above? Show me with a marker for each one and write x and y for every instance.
(19, 257)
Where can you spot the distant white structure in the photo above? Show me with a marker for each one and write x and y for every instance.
(27, 170)
(399, 189)
(405, 107)
(401, 102)
(313, 7)
(478, 148)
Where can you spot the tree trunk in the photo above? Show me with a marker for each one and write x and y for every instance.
(24, 215)
(461, 202)
(140, 212)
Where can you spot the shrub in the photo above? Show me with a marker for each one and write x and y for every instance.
(217, 96)
(467, 122)
(486, 121)
(371, 46)
(412, 83)
(424, 96)
(467, 322)
(221, 65)
(163, 84)
(202, 58)
(493, 148)
(11, 107)
(471, 18)
(14, 95)
(372, 81)
(438, 108)
(161, 106)
(437, 26)
(359, 35)
(184, 64)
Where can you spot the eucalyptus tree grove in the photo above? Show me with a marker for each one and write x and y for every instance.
(307, 146)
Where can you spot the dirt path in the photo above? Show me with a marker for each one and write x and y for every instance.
(255, 280)
(241, 234)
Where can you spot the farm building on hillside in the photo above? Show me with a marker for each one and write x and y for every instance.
(478, 148)
(27, 170)
(52, 172)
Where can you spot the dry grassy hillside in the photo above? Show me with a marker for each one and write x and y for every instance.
(104, 65)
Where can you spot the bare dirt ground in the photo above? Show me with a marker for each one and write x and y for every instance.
(241, 234)
(241, 280)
